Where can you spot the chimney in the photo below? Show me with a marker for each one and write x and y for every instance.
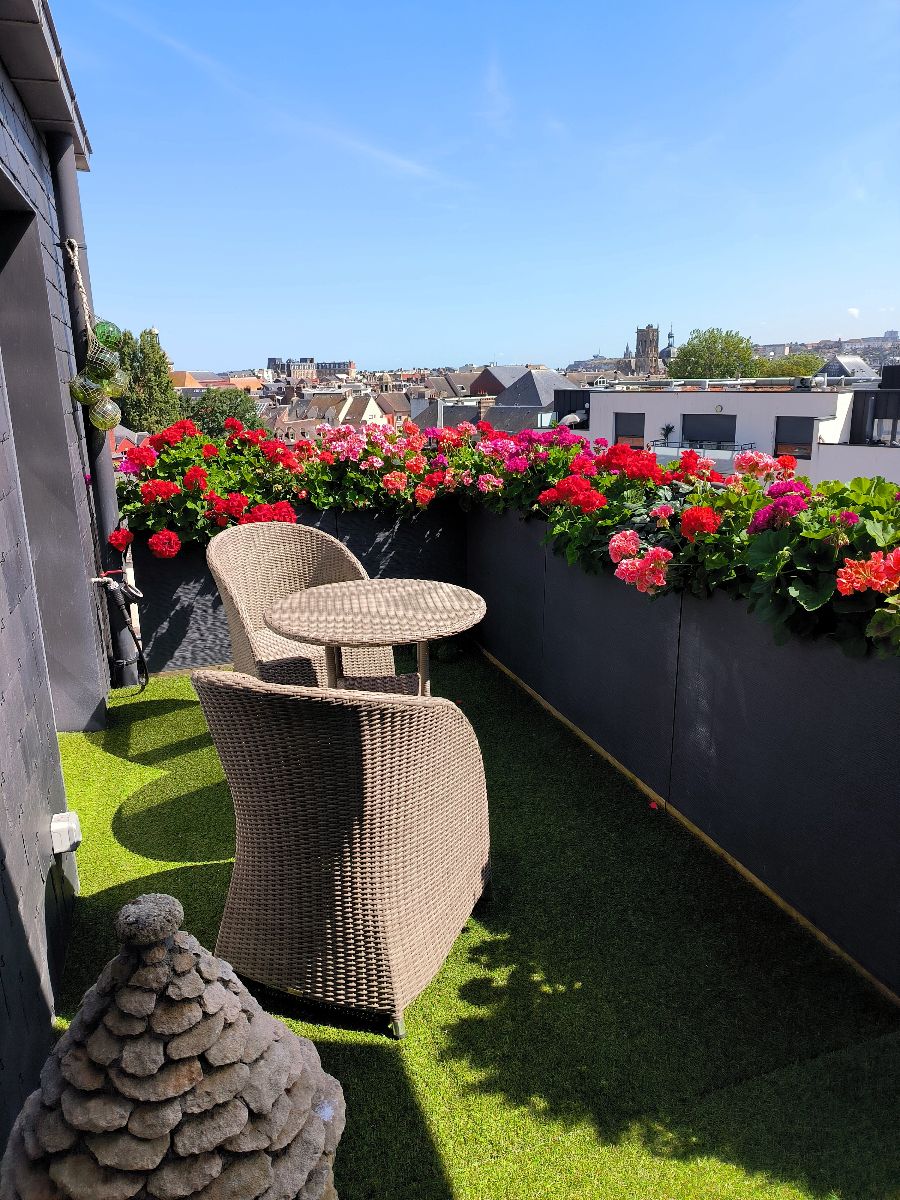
(484, 404)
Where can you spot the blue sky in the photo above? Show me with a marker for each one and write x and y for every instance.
(419, 183)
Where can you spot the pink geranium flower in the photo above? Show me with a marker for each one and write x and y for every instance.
(624, 545)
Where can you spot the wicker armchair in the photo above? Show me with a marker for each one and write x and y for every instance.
(362, 837)
(254, 565)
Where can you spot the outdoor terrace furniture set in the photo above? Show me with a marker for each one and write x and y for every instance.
(360, 801)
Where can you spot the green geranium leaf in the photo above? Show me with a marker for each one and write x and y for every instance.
(812, 595)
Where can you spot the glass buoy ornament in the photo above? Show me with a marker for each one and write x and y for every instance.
(101, 364)
(105, 414)
(118, 385)
(108, 334)
(84, 390)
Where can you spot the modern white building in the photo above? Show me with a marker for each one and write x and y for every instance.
(834, 432)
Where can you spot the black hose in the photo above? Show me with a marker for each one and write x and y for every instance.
(120, 593)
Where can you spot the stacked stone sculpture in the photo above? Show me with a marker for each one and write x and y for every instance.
(172, 1082)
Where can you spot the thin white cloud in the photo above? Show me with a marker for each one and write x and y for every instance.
(555, 127)
(226, 79)
(854, 313)
(498, 105)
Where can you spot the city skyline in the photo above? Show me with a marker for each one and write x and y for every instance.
(567, 180)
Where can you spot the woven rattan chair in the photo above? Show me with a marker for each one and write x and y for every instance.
(362, 837)
(254, 565)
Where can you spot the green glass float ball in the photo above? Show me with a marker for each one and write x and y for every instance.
(118, 385)
(101, 363)
(108, 334)
(105, 414)
(84, 390)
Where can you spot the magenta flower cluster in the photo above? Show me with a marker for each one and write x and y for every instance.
(788, 500)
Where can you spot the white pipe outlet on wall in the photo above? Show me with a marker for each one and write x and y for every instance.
(65, 832)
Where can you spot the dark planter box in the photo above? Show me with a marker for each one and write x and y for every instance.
(611, 656)
(603, 655)
(430, 544)
(506, 565)
(182, 619)
(780, 755)
(783, 755)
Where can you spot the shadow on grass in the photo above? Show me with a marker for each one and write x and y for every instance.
(387, 1149)
(665, 998)
(185, 814)
(166, 822)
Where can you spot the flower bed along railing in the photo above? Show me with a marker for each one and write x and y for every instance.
(814, 562)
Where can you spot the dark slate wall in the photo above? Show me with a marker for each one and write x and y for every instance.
(35, 322)
(35, 890)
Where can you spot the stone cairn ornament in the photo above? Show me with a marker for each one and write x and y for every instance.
(172, 1082)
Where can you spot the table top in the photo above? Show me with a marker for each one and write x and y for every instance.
(375, 612)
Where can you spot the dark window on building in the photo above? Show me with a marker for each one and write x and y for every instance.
(794, 435)
(569, 402)
(708, 431)
(630, 429)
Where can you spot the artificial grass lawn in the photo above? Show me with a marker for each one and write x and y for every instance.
(624, 1019)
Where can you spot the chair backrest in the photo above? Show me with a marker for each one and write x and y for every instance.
(279, 742)
(255, 564)
(361, 835)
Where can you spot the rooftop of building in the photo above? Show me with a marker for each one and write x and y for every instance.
(33, 58)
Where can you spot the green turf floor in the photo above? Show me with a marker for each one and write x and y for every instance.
(625, 1019)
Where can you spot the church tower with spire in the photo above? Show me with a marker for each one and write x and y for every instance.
(666, 355)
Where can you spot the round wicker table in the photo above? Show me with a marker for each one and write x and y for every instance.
(376, 612)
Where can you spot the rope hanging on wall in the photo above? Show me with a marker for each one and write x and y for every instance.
(101, 378)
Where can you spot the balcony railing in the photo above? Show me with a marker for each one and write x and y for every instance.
(695, 444)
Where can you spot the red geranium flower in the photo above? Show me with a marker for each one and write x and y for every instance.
(281, 510)
(210, 451)
(699, 519)
(142, 456)
(576, 491)
(787, 464)
(424, 495)
(164, 544)
(236, 503)
(173, 434)
(158, 489)
(233, 425)
(121, 539)
(195, 479)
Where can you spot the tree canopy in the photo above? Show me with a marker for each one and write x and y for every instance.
(150, 403)
(210, 409)
(790, 365)
(713, 354)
